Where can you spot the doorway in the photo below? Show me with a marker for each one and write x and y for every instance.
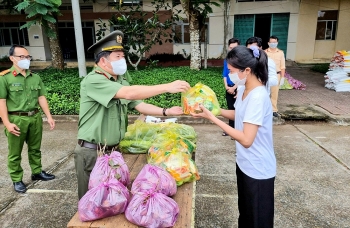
(263, 28)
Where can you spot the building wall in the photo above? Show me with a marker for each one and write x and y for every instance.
(302, 46)
(308, 49)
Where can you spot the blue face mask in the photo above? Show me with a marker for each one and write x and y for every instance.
(273, 45)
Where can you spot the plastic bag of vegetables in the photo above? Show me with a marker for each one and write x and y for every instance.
(107, 167)
(166, 143)
(174, 155)
(154, 178)
(139, 137)
(152, 209)
(199, 94)
(183, 130)
(107, 199)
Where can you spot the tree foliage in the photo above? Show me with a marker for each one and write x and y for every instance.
(142, 30)
(41, 12)
(45, 13)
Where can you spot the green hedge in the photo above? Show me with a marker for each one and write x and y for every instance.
(64, 86)
(322, 68)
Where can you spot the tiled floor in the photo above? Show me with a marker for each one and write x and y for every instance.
(336, 103)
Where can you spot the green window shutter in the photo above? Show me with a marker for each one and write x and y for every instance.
(279, 28)
(243, 27)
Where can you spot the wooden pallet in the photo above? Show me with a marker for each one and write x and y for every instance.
(184, 198)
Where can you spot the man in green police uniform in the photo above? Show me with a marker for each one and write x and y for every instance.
(105, 97)
(21, 93)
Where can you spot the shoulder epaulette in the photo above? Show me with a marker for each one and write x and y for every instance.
(2, 73)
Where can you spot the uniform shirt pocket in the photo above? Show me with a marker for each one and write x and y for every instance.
(35, 91)
(16, 93)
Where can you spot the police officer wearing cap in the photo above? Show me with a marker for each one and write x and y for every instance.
(21, 93)
(105, 97)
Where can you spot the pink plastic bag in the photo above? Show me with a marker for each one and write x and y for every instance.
(154, 178)
(108, 199)
(109, 166)
(152, 210)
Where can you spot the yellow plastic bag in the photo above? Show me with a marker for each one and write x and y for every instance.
(199, 94)
(174, 153)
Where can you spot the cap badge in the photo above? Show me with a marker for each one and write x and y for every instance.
(119, 39)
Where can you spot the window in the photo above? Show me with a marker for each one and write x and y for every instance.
(326, 25)
(126, 3)
(11, 34)
(182, 33)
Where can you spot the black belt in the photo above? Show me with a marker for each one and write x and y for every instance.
(278, 72)
(94, 146)
(31, 113)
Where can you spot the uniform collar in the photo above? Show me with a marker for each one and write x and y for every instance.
(269, 50)
(16, 72)
(125, 76)
(99, 70)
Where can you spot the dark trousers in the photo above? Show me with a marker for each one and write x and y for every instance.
(230, 99)
(84, 159)
(255, 201)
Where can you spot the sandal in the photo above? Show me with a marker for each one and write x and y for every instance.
(224, 134)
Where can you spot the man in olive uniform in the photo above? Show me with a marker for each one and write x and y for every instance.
(105, 97)
(21, 93)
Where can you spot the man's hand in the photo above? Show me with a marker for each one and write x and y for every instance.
(51, 122)
(13, 129)
(231, 90)
(282, 81)
(178, 86)
(174, 111)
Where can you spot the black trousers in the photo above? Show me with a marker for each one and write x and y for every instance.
(230, 99)
(255, 201)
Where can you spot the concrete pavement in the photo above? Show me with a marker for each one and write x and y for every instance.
(311, 189)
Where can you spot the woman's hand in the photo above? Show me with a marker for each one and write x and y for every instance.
(204, 114)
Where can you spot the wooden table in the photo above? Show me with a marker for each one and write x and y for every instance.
(184, 198)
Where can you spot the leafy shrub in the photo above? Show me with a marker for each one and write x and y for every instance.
(322, 68)
(166, 57)
(64, 86)
(5, 59)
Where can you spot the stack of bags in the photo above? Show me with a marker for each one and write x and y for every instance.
(341, 59)
(337, 78)
(150, 205)
(108, 194)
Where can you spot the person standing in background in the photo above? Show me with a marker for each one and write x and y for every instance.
(21, 93)
(229, 85)
(278, 57)
(273, 80)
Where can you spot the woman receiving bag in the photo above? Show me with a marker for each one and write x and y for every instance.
(255, 162)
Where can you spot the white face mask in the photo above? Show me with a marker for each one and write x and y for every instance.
(23, 64)
(119, 67)
(235, 79)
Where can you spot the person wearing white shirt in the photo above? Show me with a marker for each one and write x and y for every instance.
(273, 79)
(256, 161)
